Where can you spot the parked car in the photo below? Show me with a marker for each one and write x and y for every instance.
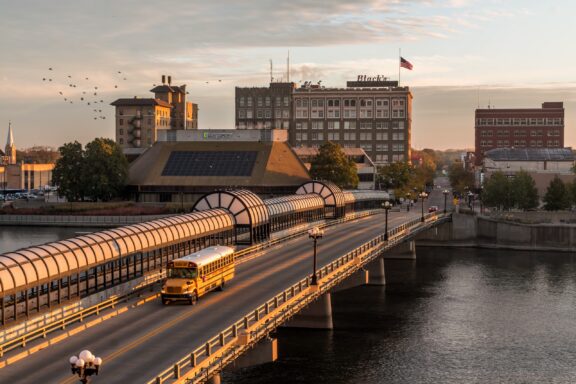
(432, 208)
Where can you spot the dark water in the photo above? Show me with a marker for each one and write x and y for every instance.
(452, 316)
(12, 238)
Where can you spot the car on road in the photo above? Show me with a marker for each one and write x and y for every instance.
(432, 208)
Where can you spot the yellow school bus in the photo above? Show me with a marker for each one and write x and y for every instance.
(192, 276)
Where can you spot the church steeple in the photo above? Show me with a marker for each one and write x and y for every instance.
(10, 151)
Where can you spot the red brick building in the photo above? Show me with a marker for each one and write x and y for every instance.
(519, 128)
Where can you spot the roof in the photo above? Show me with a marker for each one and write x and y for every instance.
(270, 164)
(313, 151)
(530, 154)
(137, 101)
(208, 255)
(167, 88)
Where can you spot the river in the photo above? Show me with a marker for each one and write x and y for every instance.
(452, 316)
(12, 238)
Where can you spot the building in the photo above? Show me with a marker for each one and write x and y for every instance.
(21, 176)
(182, 171)
(519, 128)
(543, 164)
(264, 107)
(255, 135)
(371, 113)
(364, 166)
(139, 119)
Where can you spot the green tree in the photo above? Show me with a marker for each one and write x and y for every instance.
(572, 187)
(331, 164)
(69, 170)
(524, 191)
(557, 196)
(460, 178)
(395, 175)
(497, 191)
(108, 169)
(99, 172)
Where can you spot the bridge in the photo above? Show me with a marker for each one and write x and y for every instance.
(146, 342)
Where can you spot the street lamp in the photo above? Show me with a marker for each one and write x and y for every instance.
(386, 205)
(315, 233)
(408, 201)
(470, 196)
(423, 195)
(445, 192)
(85, 365)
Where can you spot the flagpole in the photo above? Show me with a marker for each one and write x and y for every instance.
(399, 56)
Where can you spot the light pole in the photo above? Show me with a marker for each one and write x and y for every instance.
(386, 205)
(470, 196)
(423, 195)
(408, 201)
(315, 233)
(445, 192)
(85, 365)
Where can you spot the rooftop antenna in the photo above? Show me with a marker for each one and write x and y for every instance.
(288, 67)
(271, 77)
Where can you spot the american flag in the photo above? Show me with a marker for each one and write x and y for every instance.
(405, 63)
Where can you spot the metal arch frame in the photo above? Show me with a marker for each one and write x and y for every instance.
(258, 218)
(333, 199)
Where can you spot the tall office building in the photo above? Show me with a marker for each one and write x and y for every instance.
(519, 128)
(138, 119)
(371, 113)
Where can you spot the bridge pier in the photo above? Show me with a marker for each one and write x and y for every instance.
(357, 279)
(265, 351)
(318, 315)
(405, 251)
(376, 272)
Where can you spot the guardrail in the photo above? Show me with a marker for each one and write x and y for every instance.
(203, 362)
(79, 316)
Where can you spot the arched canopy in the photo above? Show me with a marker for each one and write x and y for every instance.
(279, 206)
(354, 196)
(247, 208)
(330, 192)
(37, 265)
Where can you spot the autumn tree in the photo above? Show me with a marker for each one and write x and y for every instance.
(331, 164)
(460, 177)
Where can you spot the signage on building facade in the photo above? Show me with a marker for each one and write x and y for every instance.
(372, 81)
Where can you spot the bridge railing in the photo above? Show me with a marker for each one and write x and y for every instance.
(213, 355)
(66, 320)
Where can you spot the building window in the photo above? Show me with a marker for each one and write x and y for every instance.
(317, 125)
(286, 101)
(249, 101)
(120, 111)
(333, 136)
(333, 125)
(381, 147)
(259, 101)
(366, 125)
(241, 113)
(365, 135)
(268, 113)
(121, 131)
(349, 125)
(267, 101)
(121, 141)
(381, 136)
(349, 135)
(241, 102)
(382, 125)
(317, 136)
(301, 125)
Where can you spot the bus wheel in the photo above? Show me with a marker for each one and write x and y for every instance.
(165, 302)
(194, 298)
(221, 287)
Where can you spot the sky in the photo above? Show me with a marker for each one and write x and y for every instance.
(466, 53)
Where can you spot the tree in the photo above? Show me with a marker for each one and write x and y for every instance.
(557, 196)
(524, 191)
(460, 178)
(99, 172)
(395, 175)
(69, 170)
(108, 169)
(331, 164)
(497, 191)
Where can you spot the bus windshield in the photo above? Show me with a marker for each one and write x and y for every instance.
(183, 273)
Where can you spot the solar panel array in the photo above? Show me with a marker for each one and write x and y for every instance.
(530, 154)
(208, 163)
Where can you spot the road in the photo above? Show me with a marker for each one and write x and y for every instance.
(138, 344)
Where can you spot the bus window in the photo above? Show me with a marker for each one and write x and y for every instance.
(183, 273)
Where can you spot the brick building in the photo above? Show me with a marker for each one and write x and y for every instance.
(375, 115)
(519, 128)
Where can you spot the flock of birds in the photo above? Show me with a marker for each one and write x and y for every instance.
(81, 91)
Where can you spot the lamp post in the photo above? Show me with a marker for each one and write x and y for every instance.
(423, 195)
(386, 205)
(315, 233)
(85, 365)
(445, 192)
(470, 199)
(408, 201)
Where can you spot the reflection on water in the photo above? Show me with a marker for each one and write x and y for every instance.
(12, 238)
(453, 316)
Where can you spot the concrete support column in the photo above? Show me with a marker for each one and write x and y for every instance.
(318, 315)
(216, 379)
(406, 250)
(355, 280)
(376, 272)
(266, 351)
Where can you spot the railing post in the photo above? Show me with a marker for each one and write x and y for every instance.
(267, 309)
(176, 371)
(192, 359)
(246, 322)
(208, 349)
(257, 315)
(158, 380)
(275, 302)
(221, 339)
(234, 330)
